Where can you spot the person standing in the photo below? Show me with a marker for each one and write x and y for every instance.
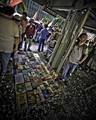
(30, 31)
(39, 27)
(9, 35)
(78, 55)
(43, 36)
(17, 20)
(24, 23)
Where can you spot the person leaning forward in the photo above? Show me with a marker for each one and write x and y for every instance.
(9, 34)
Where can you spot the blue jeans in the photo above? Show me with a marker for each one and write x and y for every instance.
(28, 41)
(68, 69)
(48, 48)
(36, 38)
(4, 60)
(41, 44)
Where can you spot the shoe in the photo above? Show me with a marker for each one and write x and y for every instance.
(20, 49)
(29, 50)
(66, 82)
(70, 74)
(88, 70)
(2, 77)
(63, 79)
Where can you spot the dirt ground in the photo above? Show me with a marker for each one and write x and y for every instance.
(78, 101)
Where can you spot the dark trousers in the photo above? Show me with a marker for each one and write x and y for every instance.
(23, 38)
(41, 45)
(4, 60)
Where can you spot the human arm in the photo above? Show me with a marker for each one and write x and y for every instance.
(83, 59)
(84, 55)
(16, 37)
(16, 44)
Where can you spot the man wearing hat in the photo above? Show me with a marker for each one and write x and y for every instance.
(24, 22)
(30, 31)
(9, 35)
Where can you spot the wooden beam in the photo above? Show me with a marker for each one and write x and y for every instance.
(91, 5)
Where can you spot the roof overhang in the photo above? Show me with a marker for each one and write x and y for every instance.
(62, 7)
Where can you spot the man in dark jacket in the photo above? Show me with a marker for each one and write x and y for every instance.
(30, 31)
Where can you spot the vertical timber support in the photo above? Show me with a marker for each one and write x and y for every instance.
(83, 15)
(65, 40)
(66, 23)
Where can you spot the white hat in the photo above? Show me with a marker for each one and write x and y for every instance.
(17, 17)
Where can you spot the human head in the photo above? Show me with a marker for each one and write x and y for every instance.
(31, 21)
(24, 14)
(46, 25)
(82, 39)
(8, 10)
